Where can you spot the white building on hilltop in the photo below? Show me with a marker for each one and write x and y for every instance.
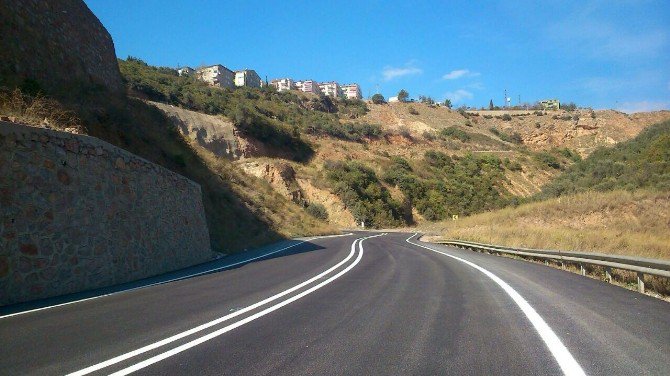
(331, 89)
(216, 75)
(352, 91)
(247, 77)
(308, 86)
(283, 84)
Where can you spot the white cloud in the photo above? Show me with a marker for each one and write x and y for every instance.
(459, 96)
(643, 106)
(459, 73)
(409, 69)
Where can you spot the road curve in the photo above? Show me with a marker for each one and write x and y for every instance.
(348, 306)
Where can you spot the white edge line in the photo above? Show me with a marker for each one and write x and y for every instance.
(209, 324)
(205, 338)
(173, 279)
(565, 360)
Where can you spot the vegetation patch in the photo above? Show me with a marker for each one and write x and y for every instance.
(455, 133)
(364, 195)
(449, 185)
(643, 162)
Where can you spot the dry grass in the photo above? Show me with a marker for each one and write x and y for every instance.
(280, 214)
(619, 222)
(38, 111)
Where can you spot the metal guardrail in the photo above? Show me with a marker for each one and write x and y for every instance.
(642, 266)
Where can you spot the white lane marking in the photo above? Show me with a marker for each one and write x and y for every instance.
(174, 279)
(209, 324)
(565, 360)
(253, 317)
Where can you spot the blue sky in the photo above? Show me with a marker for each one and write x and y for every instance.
(603, 54)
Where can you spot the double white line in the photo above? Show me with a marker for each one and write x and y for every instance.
(198, 340)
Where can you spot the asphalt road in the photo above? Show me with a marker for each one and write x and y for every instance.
(380, 306)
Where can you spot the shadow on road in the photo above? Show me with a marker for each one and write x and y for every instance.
(280, 249)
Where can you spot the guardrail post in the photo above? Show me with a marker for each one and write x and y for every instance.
(582, 269)
(640, 282)
(608, 274)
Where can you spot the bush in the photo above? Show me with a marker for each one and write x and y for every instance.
(362, 192)
(512, 165)
(404, 131)
(569, 107)
(39, 111)
(428, 135)
(513, 138)
(412, 110)
(547, 159)
(506, 117)
(378, 99)
(317, 210)
(455, 133)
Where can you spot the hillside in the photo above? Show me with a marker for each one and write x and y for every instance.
(586, 208)
(619, 222)
(580, 130)
(643, 162)
(385, 165)
(242, 211)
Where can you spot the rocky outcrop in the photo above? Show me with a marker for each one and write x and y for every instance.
(280, 175)
(214, 133)
(58, 45)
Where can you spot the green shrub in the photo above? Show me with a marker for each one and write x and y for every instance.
(506, 117)
(547, 159)
(412, 110)
(512, 165)
(513, 138)
(362, 192)
(317, 210)
(455, 133)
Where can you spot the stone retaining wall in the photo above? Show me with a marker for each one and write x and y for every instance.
(77, 213)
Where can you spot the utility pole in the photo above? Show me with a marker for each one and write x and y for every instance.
(505, 99)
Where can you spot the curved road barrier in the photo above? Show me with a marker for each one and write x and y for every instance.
(641, 266)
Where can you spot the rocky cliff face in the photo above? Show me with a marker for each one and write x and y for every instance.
(55, 45)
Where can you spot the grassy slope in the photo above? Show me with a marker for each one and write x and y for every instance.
(602, 216)
(491, 165)
(619, 222)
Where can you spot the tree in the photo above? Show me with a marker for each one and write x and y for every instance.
(447, 103)
(491, 104)
(378, 99)
(403, 95)
(569, 106)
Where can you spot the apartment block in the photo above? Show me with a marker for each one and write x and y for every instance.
(283, 84)
(247, 77)
(331, 89)
(352, 91)
(550, 104)
(308, 86)
(217, 75)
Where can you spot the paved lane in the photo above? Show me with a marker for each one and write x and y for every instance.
(380, 306)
